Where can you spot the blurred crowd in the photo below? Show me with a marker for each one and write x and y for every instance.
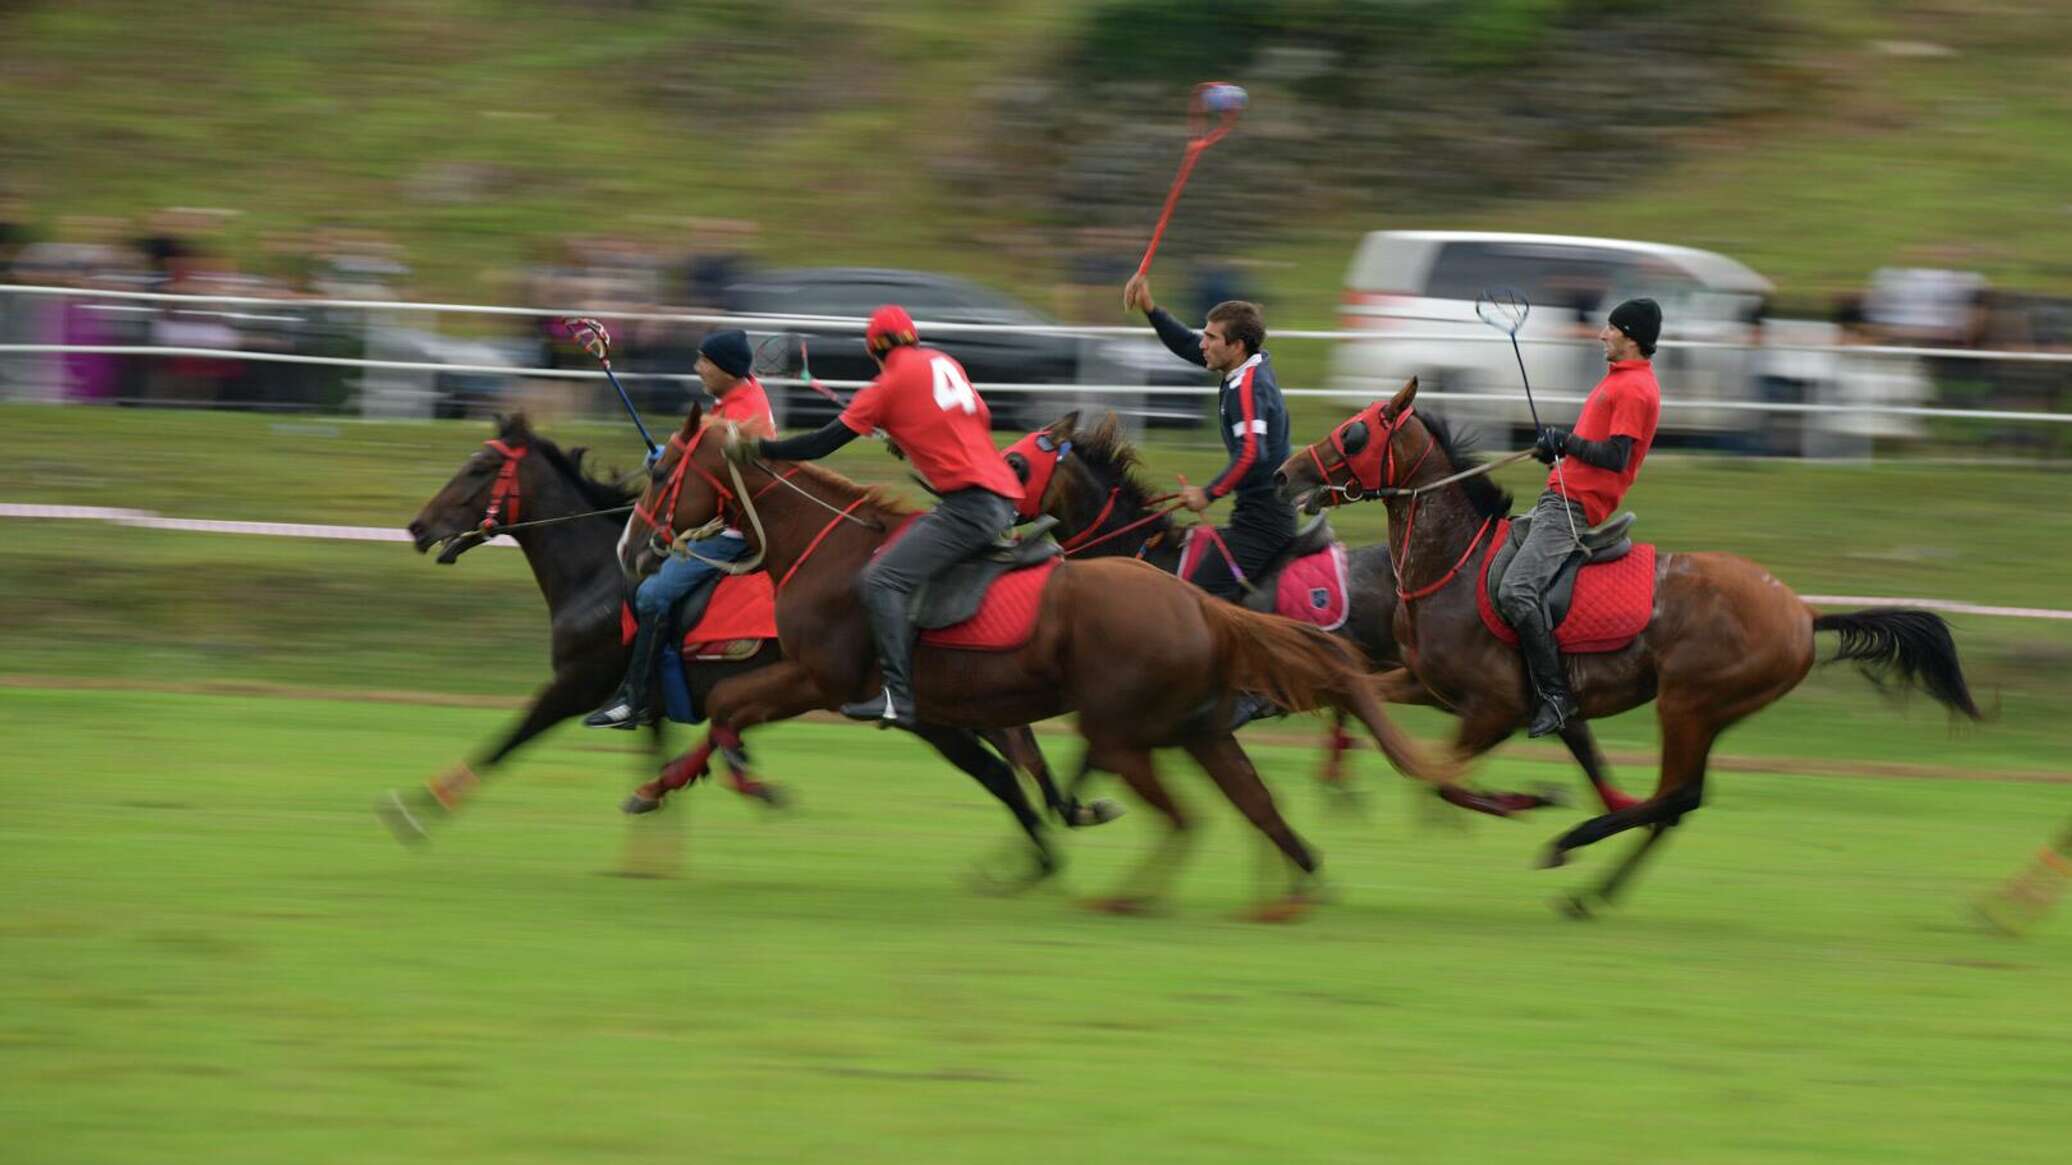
(1928, 301)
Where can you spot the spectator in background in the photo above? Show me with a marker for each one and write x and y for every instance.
(721, 256)
(1926, 306)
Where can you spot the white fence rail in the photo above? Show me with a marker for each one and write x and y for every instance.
(1457, 332)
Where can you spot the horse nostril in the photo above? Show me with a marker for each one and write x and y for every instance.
(416, 529)
(1280, 477)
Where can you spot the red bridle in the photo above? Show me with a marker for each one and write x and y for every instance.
(1041, 454)
(661, 518)
(505, 491)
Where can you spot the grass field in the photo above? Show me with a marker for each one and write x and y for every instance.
(211, 951)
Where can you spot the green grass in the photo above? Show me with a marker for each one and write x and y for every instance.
(213, 951)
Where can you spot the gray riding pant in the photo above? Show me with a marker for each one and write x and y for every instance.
(1521, 597)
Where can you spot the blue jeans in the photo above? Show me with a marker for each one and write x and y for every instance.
(680, 576)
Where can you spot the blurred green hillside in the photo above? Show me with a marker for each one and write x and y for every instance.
(478, 132)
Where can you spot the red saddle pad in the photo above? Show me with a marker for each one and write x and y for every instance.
(1312, 588)
(1006, 616)
(1612, 603)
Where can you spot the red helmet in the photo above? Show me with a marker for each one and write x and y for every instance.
(890, 326)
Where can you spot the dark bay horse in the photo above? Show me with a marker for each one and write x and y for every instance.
(1724, 640)
(515, 480)
(1086, 475)
(1146, 660)
(568, 525)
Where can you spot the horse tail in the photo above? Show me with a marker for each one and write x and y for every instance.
(1301, 668)
(1913, 642)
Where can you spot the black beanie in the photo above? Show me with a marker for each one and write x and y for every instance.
(728, 350)
(1642, 320)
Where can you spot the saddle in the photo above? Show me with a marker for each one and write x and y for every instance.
(1314, 537)
(1606, 542)
(956, 595)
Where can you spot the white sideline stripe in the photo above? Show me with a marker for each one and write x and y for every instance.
(144, 519)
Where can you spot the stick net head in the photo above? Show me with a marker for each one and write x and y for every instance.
(1503, 308)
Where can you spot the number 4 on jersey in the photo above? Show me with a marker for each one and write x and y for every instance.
(952, 391)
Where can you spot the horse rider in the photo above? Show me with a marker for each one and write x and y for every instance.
(724, 366)
(1253, 423)
(927, 408)
(1594, 464)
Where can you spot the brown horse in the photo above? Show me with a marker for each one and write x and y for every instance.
(1724, 638)
(1086, 475)
(567, 523)
(1146, 660)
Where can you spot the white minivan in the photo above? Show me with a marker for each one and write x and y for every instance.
(1416, 290)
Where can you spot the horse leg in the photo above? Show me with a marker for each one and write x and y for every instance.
(1582, 745)
(741, 771)
(675, 775)
(1226, 763)
(407, 813)
(1149, 880)
(1018, 746)
(1686, 745)
(776, 692)
(962, 748)
(1577, 906)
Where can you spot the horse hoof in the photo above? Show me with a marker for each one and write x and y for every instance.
(637, 804)
(1576, 907)
(1553, 859)
(1552, 796)
(400, 820)
(1289, 909)
(1099, 811)
(1122, 907)
(770, 795)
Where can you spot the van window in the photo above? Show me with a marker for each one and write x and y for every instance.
(1549, 275)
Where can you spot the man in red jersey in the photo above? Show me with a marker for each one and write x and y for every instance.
(925, 404)
(1594, 465)
(725, 367)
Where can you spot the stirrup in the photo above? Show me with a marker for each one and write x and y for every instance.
(880, 709)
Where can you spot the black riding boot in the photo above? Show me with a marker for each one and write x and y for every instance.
(894, 631)
(628, 706)
(1543, 663)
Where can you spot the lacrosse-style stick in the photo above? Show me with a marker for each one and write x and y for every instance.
(773, 360)
(1505, 310)
(1221, 100)
(592, 335)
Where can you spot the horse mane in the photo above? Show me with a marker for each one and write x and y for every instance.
(1108, 452)
(877, 497)
(599, 492)
(1489, 499)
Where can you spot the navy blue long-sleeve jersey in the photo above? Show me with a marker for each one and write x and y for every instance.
(1254, 420)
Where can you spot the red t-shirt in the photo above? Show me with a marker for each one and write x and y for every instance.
(748, 406)
(926, 404)
(1626, 403)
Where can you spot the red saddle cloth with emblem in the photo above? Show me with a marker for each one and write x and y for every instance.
(744, 606)
(1612, 603)
(1312, 588)
(1006, 617)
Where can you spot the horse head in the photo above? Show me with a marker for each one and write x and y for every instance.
(489, 490)
(1377, 449)
(686, 489)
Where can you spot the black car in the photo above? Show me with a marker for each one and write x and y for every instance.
(991, 358)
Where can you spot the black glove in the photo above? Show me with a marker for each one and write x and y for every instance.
(1552, 443)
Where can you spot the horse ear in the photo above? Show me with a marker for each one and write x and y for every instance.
(1064, 426)
(694, 418)
(516, 428)
(1401, 400)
